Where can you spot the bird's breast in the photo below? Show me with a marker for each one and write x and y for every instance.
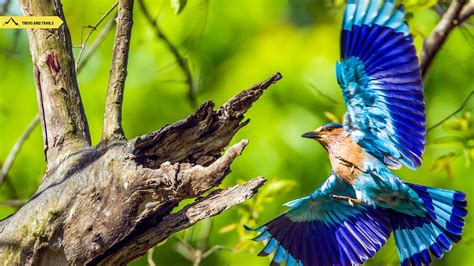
(347, 160)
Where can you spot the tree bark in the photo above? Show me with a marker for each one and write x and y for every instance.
(109, 204)
(63, 120)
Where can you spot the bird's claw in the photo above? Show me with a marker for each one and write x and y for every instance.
(349, 200)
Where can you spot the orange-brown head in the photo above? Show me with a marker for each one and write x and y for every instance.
(327, 134)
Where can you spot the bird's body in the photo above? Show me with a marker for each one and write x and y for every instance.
(349, 218)
(373, 183)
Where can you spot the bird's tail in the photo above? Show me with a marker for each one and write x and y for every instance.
(417, 237)
(339, 235)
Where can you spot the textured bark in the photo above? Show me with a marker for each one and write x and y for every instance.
(110, 203)
(63, 120)
(112, 129)
(455, 15)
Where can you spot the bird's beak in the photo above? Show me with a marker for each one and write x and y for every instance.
(311, 135)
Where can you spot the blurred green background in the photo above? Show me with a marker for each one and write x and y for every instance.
(230, 46)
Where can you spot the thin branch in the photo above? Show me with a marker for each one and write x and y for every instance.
(463, 105)
(182, 62)
(149, 257)
(4, 7)
(324, 95)
(466, 12)
(216, 248)
(112, 129)
(13, 203)
(17, 147)
(92, 29)
(97, 42)
(438, 36)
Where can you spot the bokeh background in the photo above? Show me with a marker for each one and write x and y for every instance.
(230, 46)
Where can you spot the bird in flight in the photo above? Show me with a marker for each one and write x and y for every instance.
(349, 218)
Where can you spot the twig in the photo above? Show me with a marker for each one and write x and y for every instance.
(17, 147)
(466, 12)
(118, 73)
(433, 43)
(4, 7)
(13, 203)
(214, 249)
(182, 62)
(320, 92)
(93, 28)
(95, 45)
(149, 257)
(464, 103)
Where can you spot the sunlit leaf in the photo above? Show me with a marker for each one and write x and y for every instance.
(178, 5)
(452, 141)
(242, 245)
(279, 187)
(227, 228)
(415, 4)
(443, 163)
(332, 117)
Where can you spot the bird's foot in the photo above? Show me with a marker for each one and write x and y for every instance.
(349, 200)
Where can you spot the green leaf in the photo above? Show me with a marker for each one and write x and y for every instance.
(279, 187)
(178, 5)
(227, 228)
(444, 163)
(450, 141)
(412, 4)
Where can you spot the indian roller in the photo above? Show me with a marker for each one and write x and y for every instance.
(349, 218)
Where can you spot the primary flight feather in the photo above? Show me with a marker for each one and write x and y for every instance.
(349, 218)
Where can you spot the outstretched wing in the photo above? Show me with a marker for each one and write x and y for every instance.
(381, 83)
(320, 230)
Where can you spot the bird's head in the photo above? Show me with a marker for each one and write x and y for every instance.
(326, 134)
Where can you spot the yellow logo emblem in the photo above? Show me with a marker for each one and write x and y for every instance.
(30, 22)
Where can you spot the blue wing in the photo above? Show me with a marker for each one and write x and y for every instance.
(319, 230)
(381, 83)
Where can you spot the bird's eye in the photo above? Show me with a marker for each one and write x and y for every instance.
(329, 129)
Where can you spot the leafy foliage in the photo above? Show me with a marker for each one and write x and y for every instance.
(460, 138)
(178, 5)
(230, 47)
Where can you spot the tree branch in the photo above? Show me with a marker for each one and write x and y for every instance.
(16, 148)
(96, 44)
(35, 121)
(13, 203)
(112, 129)
(433, 43)
(182, 62)
(92, 29)
(466, 12)
(202, 135)
(4, 7)
(203, 208)
(464, 103)
(103, 202)
(64, 124)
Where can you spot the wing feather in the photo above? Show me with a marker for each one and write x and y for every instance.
(319, 230)
(381, 83)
